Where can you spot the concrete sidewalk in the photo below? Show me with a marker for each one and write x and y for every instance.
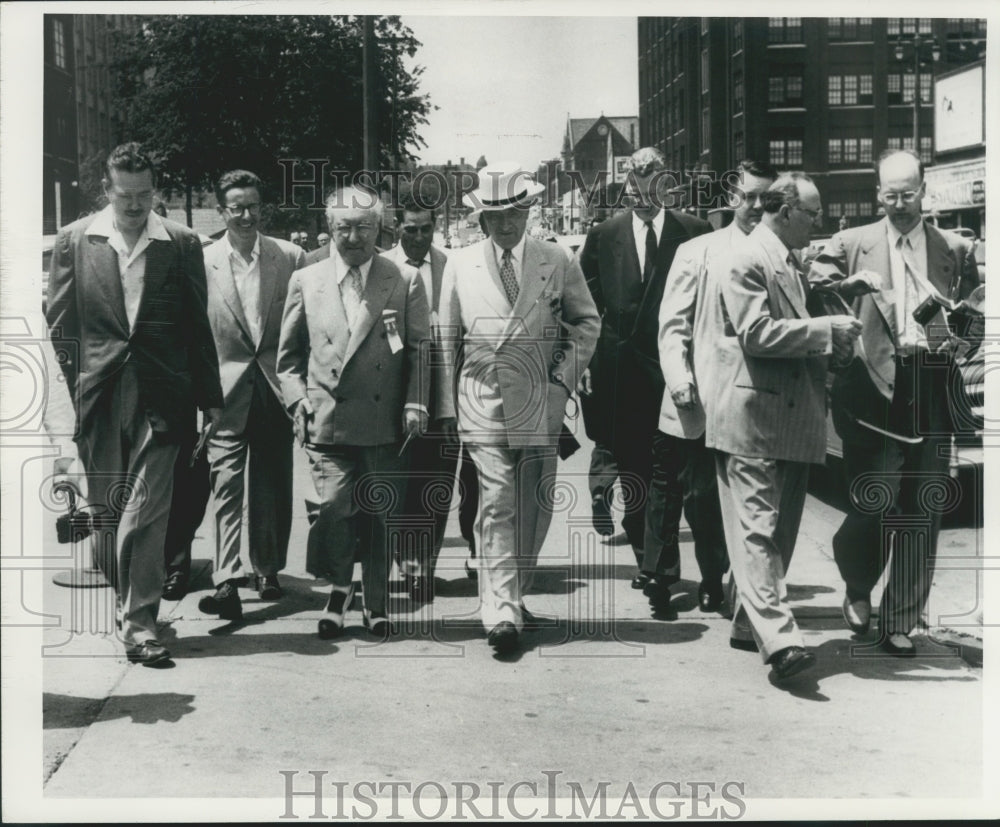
(605, 692)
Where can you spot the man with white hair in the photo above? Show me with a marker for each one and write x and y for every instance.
(519, 312)
(349, 367)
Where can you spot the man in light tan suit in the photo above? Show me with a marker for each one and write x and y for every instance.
(521, 314)
(248, 276)
(766, 415)
(349, 362)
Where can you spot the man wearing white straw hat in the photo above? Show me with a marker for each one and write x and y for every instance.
(521, 314)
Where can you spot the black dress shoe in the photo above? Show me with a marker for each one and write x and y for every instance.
(743, 645)
(709, 599)
(790, 661)
(175, 586)
(225, 602)
(503, 637)
(336, 607)
(532, 623)
(147, 653)
(600, 513)
(657, 589)
(421, 588)
(640, 581)
(379, 626)
(268, 587)
(899, 645)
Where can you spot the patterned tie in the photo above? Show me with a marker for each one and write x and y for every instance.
(508, 277)
(350, 292)
(647, 267)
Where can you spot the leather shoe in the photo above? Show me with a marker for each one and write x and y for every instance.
(421, 588)
(530, 622)
(225, 602)
(743, 645)
(857, 614)
(147, 653)
(899, 645)
(640, 581)
(268, 587)
(503, 637)
(336, 607)
(601, 514)
(790, 661)
(657, 589)
(175, 586)
(470, 570)
(709, 599)
(379, 626)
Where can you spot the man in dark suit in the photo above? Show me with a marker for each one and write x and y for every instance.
(349, 366)
(626, 260)
(128, 288)
(433, 456)
(248, 276)
(766, 413)
(899, 385)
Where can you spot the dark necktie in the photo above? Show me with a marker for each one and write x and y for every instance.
(647, 268)
(414, 263)
(508, 277)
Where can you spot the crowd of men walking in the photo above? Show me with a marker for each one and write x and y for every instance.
(700, 357)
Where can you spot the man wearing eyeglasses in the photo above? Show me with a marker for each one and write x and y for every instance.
(766, 416)
(250, 453)
(891, 406)
(349, 361)
(433, 457)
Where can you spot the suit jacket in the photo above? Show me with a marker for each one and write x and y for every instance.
(951, 268)
(237, 352)
(170, 346)
(769, 400)
(319, 254)
(690, 327)
(356, 385)
(627, 355)
(500, 362)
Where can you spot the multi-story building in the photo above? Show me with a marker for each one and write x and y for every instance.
(824, 95)
(81, 123)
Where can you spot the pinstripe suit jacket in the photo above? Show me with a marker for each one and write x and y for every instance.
(769, 399)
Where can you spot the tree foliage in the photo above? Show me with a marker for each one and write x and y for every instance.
(205, 94)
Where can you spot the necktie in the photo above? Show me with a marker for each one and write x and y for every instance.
(414, 263)
(350, 292)
(793, 262)
(647, 267)
(509, 278)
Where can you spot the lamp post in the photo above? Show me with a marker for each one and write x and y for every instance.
(918, 44)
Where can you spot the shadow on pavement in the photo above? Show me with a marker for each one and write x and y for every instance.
(71, 712)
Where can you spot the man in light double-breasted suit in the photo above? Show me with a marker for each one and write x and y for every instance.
(349, 363)
(519, 313)
(766, 416)
(248, 276)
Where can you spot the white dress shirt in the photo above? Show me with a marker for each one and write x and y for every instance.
(639, 233)
(131, 265)
(247, 278)
(424, 270)
(516, 257)
(908, 330)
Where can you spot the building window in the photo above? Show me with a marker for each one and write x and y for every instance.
(892, 26)
(737, 91)
(738, 35)
(833, 151)
(865, 89)
(793, 89)
(785, 152)
(865, 149)
(909, 87)
(865, 208)
(784, 30)
(776, 152)
(850, 90)
(926, 149)
(59, 44)
(850, 150)
(775, 90)
(834, 28)
(925, 87)
(834, 209)
(794, 158)
(793, 29)
(909, 25)
(924, 25)
(834, 90)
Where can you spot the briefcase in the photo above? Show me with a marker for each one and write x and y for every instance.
(78, 523)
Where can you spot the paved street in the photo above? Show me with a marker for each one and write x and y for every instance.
(607, 693)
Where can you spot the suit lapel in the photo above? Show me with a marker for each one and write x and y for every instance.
(158, 255)
(438, 261)
(940, 265)
(789, 281)
(627, 262)
(378, 288)
(535, 272)
(222, 272)
(497, 297)
(875, 256)
(333, 316)
(268, 279)
(103, 262)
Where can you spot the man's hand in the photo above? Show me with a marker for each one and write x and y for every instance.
(845, 330)
(210, 418)
(414, 421)
(584, 386)
(300, 420)
(862, 282)
(684, 397)
(69, 469)
(448, 426)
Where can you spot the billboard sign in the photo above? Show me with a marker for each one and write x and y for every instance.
(958, 109)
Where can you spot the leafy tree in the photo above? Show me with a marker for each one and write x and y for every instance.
(209, 93)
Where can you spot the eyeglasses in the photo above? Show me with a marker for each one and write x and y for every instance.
(814, 214)
(907, 197)
(344, 230)
(236, 210)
